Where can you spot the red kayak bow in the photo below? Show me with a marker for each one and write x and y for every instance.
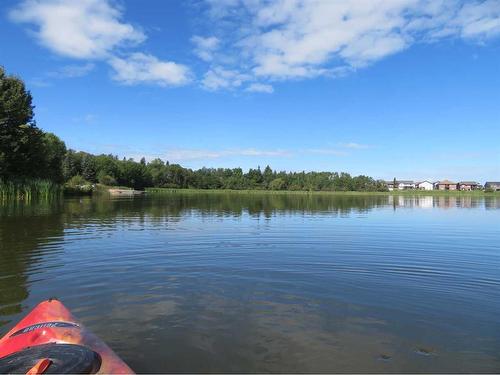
(50, 340)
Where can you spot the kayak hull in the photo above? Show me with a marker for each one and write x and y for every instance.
(51, 322)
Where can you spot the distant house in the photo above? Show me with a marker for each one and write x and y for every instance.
(406, 184)
(400, 185)
(468, 185)
(446, 185)
(424, 185)
(390, 185)
(492, 185)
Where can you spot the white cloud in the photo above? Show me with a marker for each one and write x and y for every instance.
(141, 68)
(479, 19)
(218, 77)
(260, 87)
(259, 41)
(196, 154)
(290, 39)
(94, 30)
(82, 29)
(205, 47)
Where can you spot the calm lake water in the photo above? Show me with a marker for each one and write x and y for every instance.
(223, 282)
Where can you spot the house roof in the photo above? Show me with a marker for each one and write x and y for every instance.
(421, 182)
(446, 182)
(468, 183)
(399, 182)
(492, 183)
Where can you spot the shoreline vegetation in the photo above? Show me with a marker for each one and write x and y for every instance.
(37, 165)
(31, 189)
(44, 190)
(324, 192)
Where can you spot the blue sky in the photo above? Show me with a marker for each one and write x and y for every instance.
(407, 88)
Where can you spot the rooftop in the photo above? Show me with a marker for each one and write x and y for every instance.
(468, 183)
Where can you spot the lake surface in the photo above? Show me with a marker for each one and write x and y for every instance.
(225, 282)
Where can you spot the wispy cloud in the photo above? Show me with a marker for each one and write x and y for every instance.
(260, 87)
(205, 47)
(298, 39)
(72, 71)
(218, 77)
(67, 71)
(354, 146)
(327, 151)
(258, 42)
(86, 119)
(186, 155)
(339, 149)
(39, 82)
(197, 154)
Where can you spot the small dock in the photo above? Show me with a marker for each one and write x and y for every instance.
(126, 192)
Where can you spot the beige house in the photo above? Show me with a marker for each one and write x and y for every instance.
(492, 185)
(424, 185)
(446, 185)
(468, 185)
(400, 185)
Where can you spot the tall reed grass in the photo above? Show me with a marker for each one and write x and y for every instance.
(29, 189)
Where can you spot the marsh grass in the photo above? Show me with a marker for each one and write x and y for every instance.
(29, 189)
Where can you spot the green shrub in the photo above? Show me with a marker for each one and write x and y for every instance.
(106, 179)
(77, 181)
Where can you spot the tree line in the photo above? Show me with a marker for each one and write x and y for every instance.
(110, 170)
(27, 152)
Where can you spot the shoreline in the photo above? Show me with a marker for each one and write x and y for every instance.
(154, 191)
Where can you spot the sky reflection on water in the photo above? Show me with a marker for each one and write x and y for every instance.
(222, 282)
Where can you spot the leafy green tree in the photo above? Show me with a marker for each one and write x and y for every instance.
(21, 142)
(277, 184)
(107, 165)
(134, 174)
(177, 176)
(157, 171)
(71, 164)
(106, 179)
(255, 177)
(55, 152)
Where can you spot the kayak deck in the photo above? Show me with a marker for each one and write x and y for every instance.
(50, 322)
